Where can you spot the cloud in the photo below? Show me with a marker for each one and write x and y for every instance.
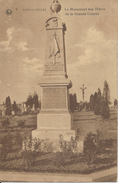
(22, 46)
(96, 48)
(16, 40)
(5, 45)
(31, 61)
(32, 65)
(97, 62)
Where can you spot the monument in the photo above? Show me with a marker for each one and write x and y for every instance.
(54, 118)
(83, 88)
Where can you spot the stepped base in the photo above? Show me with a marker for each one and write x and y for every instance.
(53, 135)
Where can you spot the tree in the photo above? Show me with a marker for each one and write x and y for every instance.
(105, 111)
(29, 101)
(35, 100)
(95, 101)
(32, 99)
(97, 108)
(99, 92)
(91, 102)
(14, 107)
(115, 102)
(8, 105)
(73, 102)
(106, 93)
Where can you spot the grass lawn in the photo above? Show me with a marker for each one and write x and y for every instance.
(107, 128)
(62, 162)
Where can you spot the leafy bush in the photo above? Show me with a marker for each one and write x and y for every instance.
(46, 146)
(89, 143)
(31, 147)
(90, 148)
(27, 144)
(94, 145)
(31, 144)
(36, 144)
(67, 150)
(67, 146)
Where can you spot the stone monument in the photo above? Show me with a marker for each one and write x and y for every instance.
(54, 118)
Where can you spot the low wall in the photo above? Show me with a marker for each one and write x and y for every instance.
(109, 175)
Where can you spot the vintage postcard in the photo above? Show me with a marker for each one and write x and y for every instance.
(58, 91)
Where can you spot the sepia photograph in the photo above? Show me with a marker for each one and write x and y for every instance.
(58, 91)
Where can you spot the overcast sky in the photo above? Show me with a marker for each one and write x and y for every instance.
(90, 40)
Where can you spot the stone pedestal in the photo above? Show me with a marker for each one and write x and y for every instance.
(54, 121)
(54, 118)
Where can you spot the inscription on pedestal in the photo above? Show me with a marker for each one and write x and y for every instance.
(54, 68)
(54, 98)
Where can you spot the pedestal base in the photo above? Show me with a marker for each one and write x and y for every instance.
(53, 135)
(54, 121)
(54, 118)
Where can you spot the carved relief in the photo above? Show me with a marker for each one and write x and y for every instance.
(54, 50)
(54, 68)
(47, 24)
(54, 43)
(55, 22)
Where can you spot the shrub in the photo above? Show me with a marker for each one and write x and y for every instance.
(27, 144)
(90, 147)
(29, 152)
(94, 145)
(36, 144)
(31, 144)
(46, 146)
(68, 146)
(67, 150)
(89, 142)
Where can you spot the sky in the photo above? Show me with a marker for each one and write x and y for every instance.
(90, 43)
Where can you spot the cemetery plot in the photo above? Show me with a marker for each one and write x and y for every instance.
(98, 156)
